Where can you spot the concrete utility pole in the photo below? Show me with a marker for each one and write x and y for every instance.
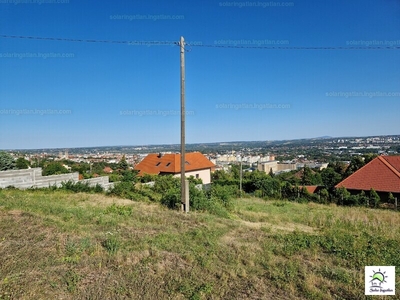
(241, 174)
(184, 182)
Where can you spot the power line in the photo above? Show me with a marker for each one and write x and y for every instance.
(296, 48)
(133, 42)
(197, 44)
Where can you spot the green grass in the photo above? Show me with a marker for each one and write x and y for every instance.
(56, 244)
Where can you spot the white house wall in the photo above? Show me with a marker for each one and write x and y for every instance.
(204, 175)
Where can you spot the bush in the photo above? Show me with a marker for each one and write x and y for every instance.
(172, 198)
(125, 190)
(162, 184)
(224, 194)
(375, 199)
(79, 187)
(351, 200)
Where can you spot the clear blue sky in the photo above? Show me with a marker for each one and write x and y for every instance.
(119, 94)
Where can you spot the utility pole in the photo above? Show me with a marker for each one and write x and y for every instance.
(241, 175)
(184, 182)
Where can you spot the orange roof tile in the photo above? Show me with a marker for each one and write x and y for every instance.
(382, 174)
(107, 170)
(171, 163)
(310, 188)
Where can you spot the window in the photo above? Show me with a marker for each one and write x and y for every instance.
(197, 176)
(168, 164)
(158, 164)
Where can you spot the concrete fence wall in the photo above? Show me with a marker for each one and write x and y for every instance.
(103, 181)
(28, 178)
(13, 177)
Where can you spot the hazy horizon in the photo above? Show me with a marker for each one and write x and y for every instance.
(64, 94)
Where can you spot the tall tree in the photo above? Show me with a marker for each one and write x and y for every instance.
(306, 178)
(123, 164)
(22, 163)
(356, 163)
(54, 168)
(6, 161)
(330, 178)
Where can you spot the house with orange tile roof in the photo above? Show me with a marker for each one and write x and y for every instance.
(107, 170)
(312, 189)
(197, 165)
(381, 174)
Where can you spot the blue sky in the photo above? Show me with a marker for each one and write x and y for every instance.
(99, 94)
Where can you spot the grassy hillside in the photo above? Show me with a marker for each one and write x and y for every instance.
(60, 245)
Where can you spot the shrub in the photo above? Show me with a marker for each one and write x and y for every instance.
(172, 198)
(375, 199)
(125, 190)
(224, 194)
(164, 183)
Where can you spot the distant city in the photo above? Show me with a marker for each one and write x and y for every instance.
(290, 154)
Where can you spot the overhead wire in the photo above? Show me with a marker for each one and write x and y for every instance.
(197, 44)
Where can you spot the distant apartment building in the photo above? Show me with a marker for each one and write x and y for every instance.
(276, 167)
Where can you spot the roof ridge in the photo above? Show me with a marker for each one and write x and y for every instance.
(393, 169)
(351, 175)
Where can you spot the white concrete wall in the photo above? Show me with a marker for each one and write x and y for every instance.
(28, 178)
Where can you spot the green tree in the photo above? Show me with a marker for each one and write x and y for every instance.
(82, 168)
(368, 157)
(271, 173)
(374, 197)
(167, 182)
(390, 198)
(339, 167)
(6, 161)
(356, 163)
(306, 177)
(129, 175)
(54, 168)
(219, 175)
(287, 190)
(362, 198)
(330, 178)
(341, 195)
(324, 196)
(123, 164)
(22, 163)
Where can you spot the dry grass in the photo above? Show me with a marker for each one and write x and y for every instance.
(58, 245)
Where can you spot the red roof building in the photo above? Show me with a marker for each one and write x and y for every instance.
(312, 189)
(381, 174)
(107, 170)
(197, 165)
